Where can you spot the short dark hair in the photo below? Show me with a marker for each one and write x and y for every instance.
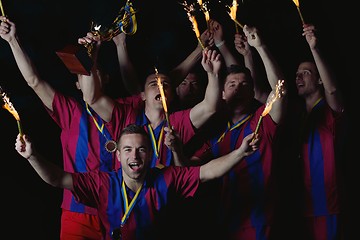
(235, 68)
(135, 129)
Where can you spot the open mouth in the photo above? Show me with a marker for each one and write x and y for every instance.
(158, 97)
(135, 166)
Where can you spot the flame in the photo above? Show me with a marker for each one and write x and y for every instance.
(9, 106)
(189, 11)
(296, 3)
(273, 97)
(233, 10)
(162, 93)
(204, 9)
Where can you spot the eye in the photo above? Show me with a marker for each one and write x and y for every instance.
(142, 149)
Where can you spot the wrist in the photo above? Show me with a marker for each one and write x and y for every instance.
(220, 44)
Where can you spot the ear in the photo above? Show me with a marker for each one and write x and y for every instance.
(77, 84)
(223, 95)
(118, 154)
(142, 94)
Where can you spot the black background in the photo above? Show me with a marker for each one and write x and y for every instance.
(31, 208)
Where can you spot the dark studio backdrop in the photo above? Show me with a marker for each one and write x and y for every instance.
(31, 208)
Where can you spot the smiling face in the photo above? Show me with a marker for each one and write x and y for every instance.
(134, 152)
(151, 93)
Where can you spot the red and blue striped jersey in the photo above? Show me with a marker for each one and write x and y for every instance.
(320, 148)
(123, 115)
(103, 190)
(247, 188)
(82, 144)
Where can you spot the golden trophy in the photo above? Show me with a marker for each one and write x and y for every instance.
(77, 58)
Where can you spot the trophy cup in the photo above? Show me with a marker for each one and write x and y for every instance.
(77, 58)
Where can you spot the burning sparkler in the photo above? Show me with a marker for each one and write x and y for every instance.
(298, 9)
(232, 14)
(204, 8)
(163, 98)
(190, 9)
(9, 106)
(279, 92)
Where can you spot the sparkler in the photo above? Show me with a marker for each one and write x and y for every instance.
(232, 14)
(190, 9)
(279, 92)
(163, 98)
(2, 9)
(298, 9)
(204, 8)
(9, 106)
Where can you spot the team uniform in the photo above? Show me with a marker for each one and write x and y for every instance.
(83, 151)
(124, 114)
(136, 214)
(246, 204)
(321, 146)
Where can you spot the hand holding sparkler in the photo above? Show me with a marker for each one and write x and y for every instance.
(163, 98)
(9, 106)
(279, 92)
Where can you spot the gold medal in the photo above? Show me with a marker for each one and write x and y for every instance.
(110, 146)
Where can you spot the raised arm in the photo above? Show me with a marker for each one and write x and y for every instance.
(201, 112)
(178, 74)
(220, 166)
(49, 172)
(91, 86)
(27, 68)
(332, 94)
(219, 41)
(128, 74)
(243, 47)
(273, 71)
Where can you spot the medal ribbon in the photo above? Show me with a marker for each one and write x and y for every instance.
(156, 144)
(128, 207)
(230, 128)
(101, 129)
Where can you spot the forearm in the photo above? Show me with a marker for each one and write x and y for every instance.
(220, 166)
(127, 70)
(332, 94)
(206, 108)
(272, 68)
(50, 173)
(24, 63)
(178, 74)
(227, 55)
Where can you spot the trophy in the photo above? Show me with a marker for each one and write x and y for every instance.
(77, 58)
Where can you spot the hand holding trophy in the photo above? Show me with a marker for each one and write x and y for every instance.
(79, 60)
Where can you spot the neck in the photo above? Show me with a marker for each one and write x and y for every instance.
(155, 117)
(310, 101)
(133, 184)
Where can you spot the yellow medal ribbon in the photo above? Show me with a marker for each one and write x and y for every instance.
(156, 145)
(229, 128)
(101, 128)
(128, 207)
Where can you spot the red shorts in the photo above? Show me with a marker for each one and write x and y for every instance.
(79, 226)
